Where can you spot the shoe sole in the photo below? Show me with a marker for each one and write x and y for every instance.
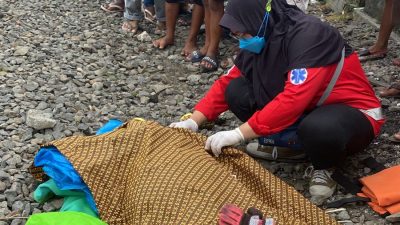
(267, 156)
(299, 158)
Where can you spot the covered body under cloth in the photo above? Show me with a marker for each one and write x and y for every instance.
(144, 173)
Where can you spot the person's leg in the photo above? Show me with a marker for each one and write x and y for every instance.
(216, 8)
(159, 10)
(160, 16)
(149, 5)
(240, 98)
(149, 10)
(172, 11)
(197, 20)
(396, 21)
(132, 15)
(328, 134)
(395, 137)
(392, 91)
(385, 29)
(207, 13)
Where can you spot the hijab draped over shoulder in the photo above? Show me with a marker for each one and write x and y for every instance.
(293, 40)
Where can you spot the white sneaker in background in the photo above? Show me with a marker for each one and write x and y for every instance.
(322, 186)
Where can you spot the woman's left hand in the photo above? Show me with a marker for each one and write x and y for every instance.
(224, 138)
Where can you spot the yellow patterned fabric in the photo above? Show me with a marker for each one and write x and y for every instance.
(144, 173)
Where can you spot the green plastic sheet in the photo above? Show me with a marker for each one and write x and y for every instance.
(63, 218)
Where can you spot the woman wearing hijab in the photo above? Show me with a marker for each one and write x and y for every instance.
(291, 66)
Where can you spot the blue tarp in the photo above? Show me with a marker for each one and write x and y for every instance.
(56, 166)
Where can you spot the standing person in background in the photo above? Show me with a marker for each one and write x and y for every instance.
(214, 10)
(390, 18)
(172, 13)
(133, 14)
(292, 69)
(208, 54)
(154, 12)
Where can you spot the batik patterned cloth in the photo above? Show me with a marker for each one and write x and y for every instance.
(144, 173)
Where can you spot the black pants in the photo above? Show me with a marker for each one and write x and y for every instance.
(328, 133)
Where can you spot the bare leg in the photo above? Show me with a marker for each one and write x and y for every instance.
(197, 20)
(216, 8)
(396, 21)
(171, 11)
(385, 29)
(207, 13)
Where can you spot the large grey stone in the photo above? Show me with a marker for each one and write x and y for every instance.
(3, 186)
(21, 50)
(39, 120)
(343, 215)
(144, 37)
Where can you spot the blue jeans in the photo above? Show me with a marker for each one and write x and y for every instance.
(148, 3)
(133, 9)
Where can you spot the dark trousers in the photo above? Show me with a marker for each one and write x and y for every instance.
(328, 133)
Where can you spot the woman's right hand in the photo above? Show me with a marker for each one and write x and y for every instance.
(187, 124)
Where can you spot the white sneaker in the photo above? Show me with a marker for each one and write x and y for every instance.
(322, 186)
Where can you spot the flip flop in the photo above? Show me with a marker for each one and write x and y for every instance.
(393, 138)
(365, 54)
(195, 56)
(112, 7)
(212, 61)
(149, 16)
(396, 62)
(160, 28)
(392, 91)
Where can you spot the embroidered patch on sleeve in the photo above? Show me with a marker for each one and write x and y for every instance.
(298, 76)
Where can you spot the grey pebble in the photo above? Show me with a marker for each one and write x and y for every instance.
(40, 120)
(21, 50)
(343, 215)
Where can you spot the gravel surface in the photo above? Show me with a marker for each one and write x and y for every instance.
(67, 67)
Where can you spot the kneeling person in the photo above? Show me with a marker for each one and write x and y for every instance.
(292, 65)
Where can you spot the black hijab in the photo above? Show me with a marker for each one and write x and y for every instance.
(293, 40)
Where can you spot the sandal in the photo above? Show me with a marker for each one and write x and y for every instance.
(114, 6)
(149, 16)
(128, 27)
(211, 61)
(195, 56)
(184, 21)
(395, 138)
(365, 54)
(396, 62)
(160, 28)
(392, 91)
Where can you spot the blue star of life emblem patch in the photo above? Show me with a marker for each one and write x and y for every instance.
(298, 76)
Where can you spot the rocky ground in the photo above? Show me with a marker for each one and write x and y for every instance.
(66, 67)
